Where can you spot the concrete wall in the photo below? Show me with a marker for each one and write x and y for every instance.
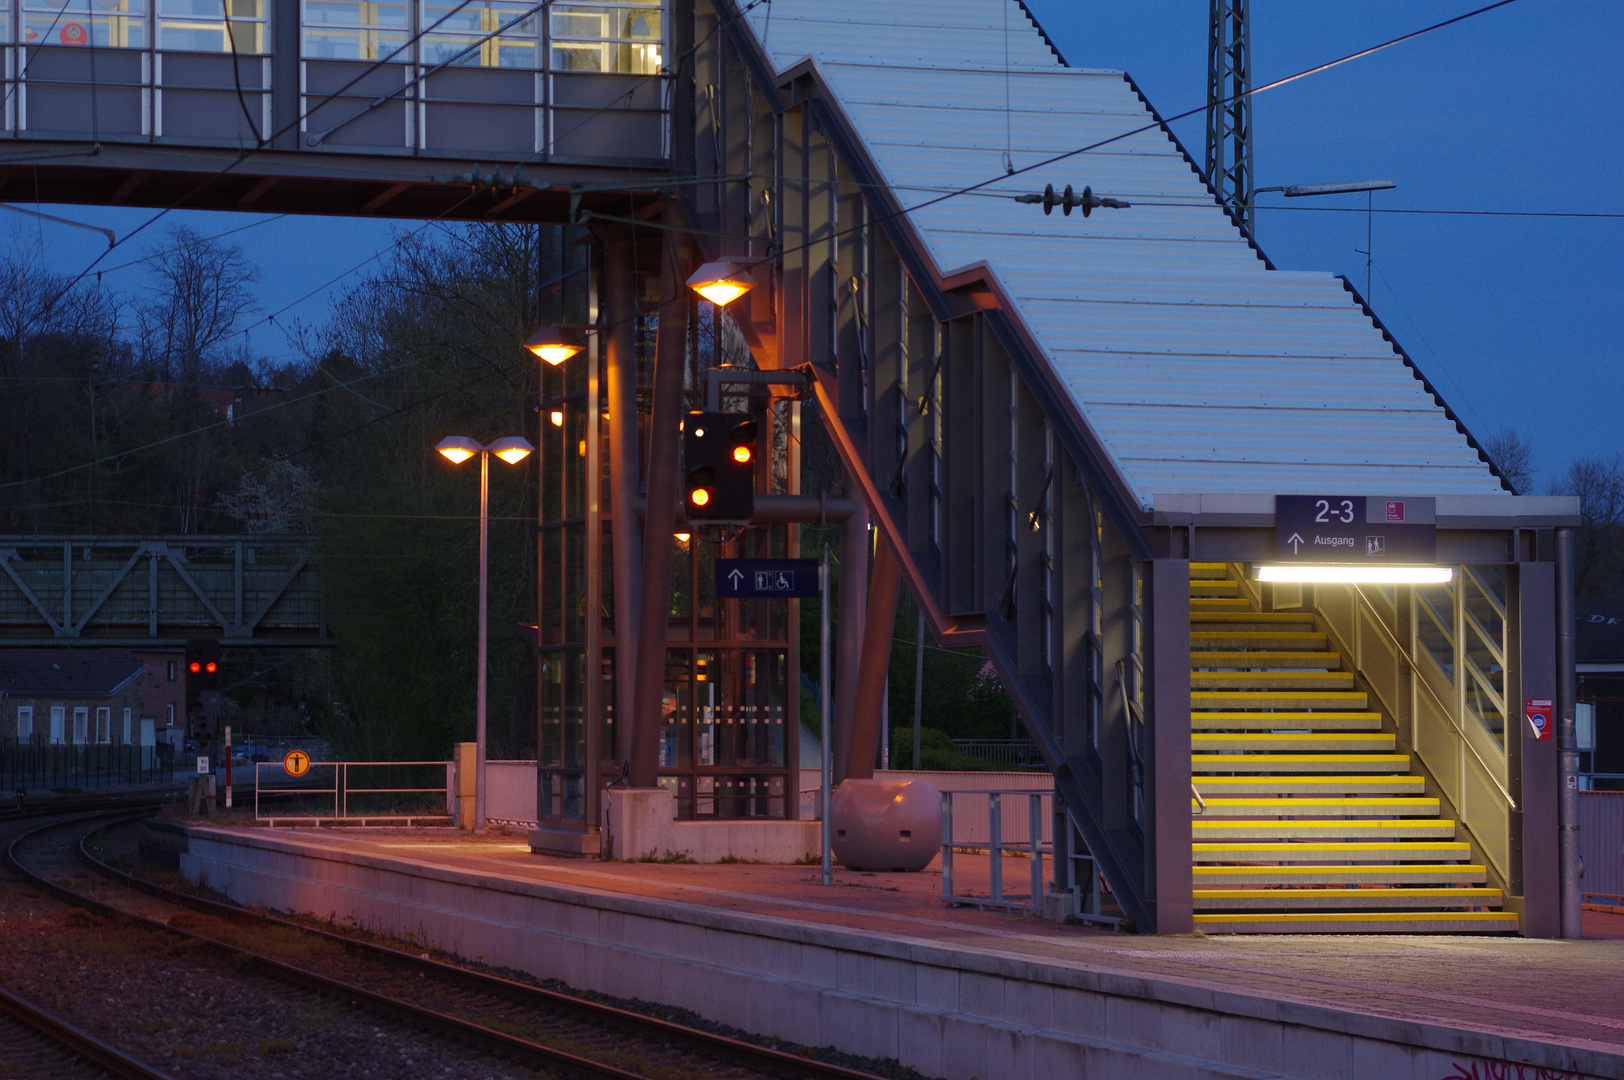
(950, 1012)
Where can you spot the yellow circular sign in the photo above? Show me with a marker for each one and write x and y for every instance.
(297, 763)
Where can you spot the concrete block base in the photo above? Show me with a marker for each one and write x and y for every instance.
(639, 825)
(570, 842)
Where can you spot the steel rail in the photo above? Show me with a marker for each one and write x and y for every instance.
(78, 1041)
(772, 1062)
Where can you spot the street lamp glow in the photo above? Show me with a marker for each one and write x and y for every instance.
(1361, 575)
(457, 448)
(511, 449)
(721, 281)
(557, 417)
(552, 345)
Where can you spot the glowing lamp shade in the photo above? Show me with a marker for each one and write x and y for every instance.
(457, 448)
(683, 538)
(742, 455)
(511, 449)
(721, 282)
(1358, 575)
(552, 345)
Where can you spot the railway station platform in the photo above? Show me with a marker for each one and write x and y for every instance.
(877, 966)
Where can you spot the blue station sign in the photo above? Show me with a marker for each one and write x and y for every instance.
(766, 579)
(1355, 529)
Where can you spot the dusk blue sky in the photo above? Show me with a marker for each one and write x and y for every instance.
(1517, 321)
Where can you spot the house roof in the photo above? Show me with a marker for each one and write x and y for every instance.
(66, 673)
(1198, 368)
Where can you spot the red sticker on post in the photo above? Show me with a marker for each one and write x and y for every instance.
(1539, 718)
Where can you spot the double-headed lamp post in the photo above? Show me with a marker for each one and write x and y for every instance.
(458, 449)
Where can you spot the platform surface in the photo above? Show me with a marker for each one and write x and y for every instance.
(1563, 992)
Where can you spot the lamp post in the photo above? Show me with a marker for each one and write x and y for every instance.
(458, 449)
(1297, 191)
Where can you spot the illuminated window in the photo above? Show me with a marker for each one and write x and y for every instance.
(622, 37)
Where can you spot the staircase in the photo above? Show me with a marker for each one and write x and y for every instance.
(1313, 822)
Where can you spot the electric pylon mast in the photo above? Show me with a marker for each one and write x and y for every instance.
(1229, 109)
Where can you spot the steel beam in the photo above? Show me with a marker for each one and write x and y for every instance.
(874, 665)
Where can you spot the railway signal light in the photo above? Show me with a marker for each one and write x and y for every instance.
(204, 702)
(720, 451)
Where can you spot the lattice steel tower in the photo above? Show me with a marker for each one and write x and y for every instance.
(1229, 109)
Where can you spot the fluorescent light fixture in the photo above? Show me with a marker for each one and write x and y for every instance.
(1363, 575)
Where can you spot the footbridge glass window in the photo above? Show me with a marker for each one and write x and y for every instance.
(623, 38)
(348, 30)
(118, 24)
(211, 26)
(489, 34)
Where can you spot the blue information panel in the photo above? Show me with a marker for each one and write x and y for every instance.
(1355, 528)
(766, 579)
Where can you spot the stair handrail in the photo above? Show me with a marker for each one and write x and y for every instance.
(1445, 710)
(1132, 714)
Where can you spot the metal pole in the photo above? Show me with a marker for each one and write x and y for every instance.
(919, 685)
(995, 845)
(827, 753)
(228, 766)
(479, 677)
(1034, 846)
(1567, 744)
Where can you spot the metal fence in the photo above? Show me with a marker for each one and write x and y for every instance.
(1601, 843)
(23, 767)
(1010, 753)
(1030, 814)
(354, 793)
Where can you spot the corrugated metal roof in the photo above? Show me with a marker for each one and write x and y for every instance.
(1200, 369)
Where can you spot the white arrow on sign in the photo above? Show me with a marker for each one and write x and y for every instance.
(1296, 538)
(736, 576)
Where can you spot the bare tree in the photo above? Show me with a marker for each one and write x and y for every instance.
(204, 292)
(1514, 457)
(1598, 543)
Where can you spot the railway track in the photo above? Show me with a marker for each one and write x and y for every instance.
(544, 1029)
(35, 1045)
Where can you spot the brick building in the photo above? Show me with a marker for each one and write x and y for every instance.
(73, 697)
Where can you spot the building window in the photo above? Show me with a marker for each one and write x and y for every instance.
(25, 723)
(171, 671)
(169, 715)
(468, 36)
(118, 24)
(104, 724)
(344, 30)
(202, 26)
(126, 725)
(81, 725)
(58, 720)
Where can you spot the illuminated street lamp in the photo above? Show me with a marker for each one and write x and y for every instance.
(722, 281)
(554, 344)
(458, 449)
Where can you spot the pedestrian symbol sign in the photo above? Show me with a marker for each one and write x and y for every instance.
(297, 763)
(766, 579)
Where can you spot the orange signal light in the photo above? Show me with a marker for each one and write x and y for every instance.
(700, 497)
(742, 455)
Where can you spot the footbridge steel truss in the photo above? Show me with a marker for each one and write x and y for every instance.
(159, 590)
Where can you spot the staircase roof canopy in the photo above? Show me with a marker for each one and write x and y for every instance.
(1197, 366)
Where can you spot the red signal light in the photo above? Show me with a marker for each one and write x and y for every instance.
(742, 455)
(195, 667)
(210, 667)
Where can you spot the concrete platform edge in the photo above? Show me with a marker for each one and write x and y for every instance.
(216, 854)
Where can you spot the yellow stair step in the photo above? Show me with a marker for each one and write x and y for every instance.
(1268, 742)
(1278, 699)
(1300, 763)
(1262, 658)
(1286, 721)
(1357, 899)
(1384, 874)
(1199, 570)
(1348, 784)
(1201, 640)
(1376, 922)
(1354, 806)
(1272, 680)
(1214, 588)
(1220, 603)
(1423, 851)
(1213, 830)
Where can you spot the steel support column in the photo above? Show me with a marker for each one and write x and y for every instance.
(1167, 766)
(626, 534)
(1567, 744)
(670, 358)
(849, 647)
(1535, 821)
(875, 663)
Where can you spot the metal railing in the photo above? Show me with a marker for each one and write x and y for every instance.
(1035, 848)
(343, 790)
(1019, 753)
(48, 766)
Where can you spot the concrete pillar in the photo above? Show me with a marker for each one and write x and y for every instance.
(626, 532)
(464, 783)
